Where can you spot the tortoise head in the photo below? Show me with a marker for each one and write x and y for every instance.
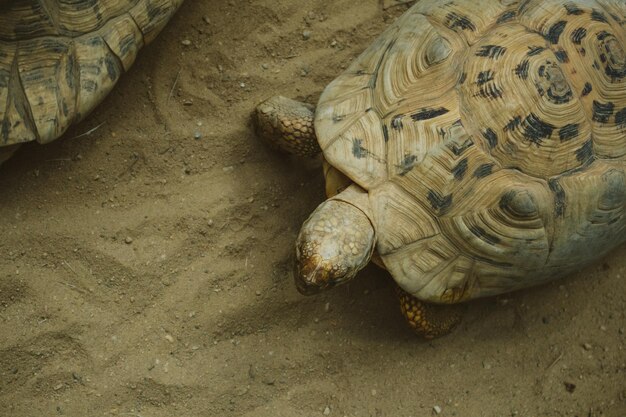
(335, 242)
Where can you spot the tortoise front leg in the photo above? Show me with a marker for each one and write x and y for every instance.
(429, 320)
(287, 125)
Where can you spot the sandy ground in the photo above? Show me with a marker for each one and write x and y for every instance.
(145, 272)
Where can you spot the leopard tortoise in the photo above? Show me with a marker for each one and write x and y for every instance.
(475, 148)
(60, 58)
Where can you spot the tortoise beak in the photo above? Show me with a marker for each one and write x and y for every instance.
(314, 276)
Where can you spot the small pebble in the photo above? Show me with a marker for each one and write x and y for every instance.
(437, 409)
(306, 35)
(327, 307)
(169, 338)
(587, 346)
(264, 66)
(327, 411)
(197, 135)
(128, 240)
(206, 20)
(186, 42)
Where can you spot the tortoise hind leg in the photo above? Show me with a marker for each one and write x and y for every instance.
(287, 125)
(429, 320)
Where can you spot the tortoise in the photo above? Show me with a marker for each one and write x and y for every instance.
(477, 147)
(59, 59)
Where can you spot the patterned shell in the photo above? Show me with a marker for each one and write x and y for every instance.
(491, 136)
(60, 58)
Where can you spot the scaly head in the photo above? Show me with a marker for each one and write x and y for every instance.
(334, 244)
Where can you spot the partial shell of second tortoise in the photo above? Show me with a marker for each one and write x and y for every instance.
(59, 59)
(490, 136)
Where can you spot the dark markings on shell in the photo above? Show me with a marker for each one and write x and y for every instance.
(555, 31)
(560, 200)
(407, 164)
(438, 202)
(553, 83)
(454, 21)
(602, 111)
(458, 150)
(127, 44)
(506, 200)
(598, 16)
(507, 16)
(513, 124)
(578, 35)
(460, 169)
(463, 78)
(573, 9)
(491, 137)
(396, 122)
(568, 132)
(111, 65)
(491, 51)
(536, 130)
(427, 113)
(490, 91)
(154, 12)
(522, 69)
(588, 89)
(483, 235)
(620, 118)
(612, 56)
(358, 150)
(535, 50)
(484, 170)
(484, 77)
(585, 153)
(385, 133)
(561, 56)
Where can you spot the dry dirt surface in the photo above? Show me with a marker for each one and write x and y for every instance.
(145, 268)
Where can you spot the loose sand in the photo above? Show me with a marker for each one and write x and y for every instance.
(144, 272)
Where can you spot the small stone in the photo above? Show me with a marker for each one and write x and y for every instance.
(197, 135)
(206, 20)
(169, 338)
(374, 392)
(437, 409)
(603, 328)
(210, 222)
(306, 35)
(128, 240)
(327, 307)
(587, 346)
(264, 66)
(258, 293)
(186, 42)
(327, 411)
(569, 387)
